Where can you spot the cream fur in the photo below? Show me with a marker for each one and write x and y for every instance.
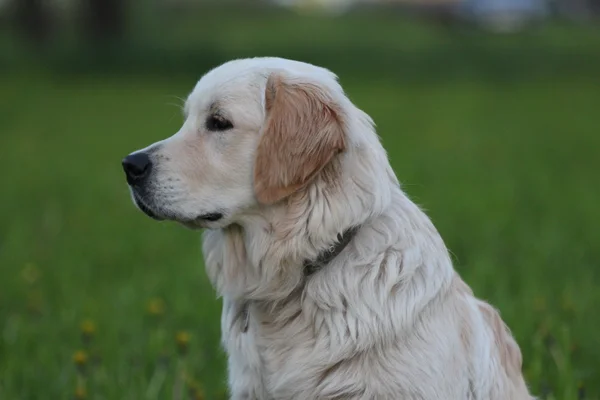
(389, 318)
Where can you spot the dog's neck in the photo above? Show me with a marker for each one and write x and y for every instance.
(279, 259)
(311, 266)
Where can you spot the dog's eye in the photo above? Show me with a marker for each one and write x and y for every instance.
(218, 123)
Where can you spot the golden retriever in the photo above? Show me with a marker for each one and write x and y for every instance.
(335, 285)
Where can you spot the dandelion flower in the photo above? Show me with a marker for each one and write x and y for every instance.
(80, 393)
(80, 359)
(198, 394)
(156, 307)
(194, 389)
(88, 328)
(183, 340)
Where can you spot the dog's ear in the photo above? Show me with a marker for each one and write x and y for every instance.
(303, 132)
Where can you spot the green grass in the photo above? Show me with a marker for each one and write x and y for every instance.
(506, 166)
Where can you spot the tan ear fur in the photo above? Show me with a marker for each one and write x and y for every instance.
(302, 134)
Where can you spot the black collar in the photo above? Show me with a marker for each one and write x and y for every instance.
(324, 258)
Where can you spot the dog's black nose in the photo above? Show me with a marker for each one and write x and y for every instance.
(136, 167)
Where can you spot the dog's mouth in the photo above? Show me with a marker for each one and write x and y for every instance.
(210, 217)
(200, 221)
(139, 202)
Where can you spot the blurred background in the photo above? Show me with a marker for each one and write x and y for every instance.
(489, 110)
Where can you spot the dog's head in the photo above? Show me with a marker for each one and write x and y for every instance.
(255, 132)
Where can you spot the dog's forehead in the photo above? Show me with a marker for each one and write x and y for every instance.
(245, 77)
(225, 85)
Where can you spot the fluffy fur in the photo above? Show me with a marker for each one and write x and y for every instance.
(388, 318)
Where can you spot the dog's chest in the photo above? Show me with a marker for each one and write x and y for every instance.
(294, 356)
(276, 354)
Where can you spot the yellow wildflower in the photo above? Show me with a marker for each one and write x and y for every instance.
(88, 328)
(80, 359)
(183, 340)
(80, 393)
(198, 394)
(194, 388)
(156, 307)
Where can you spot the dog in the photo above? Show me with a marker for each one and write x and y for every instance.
(335, 285)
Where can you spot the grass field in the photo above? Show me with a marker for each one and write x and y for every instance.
(95, 295)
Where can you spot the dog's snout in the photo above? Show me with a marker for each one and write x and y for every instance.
(137, 167)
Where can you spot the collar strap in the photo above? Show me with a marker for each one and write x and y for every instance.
(325, 257)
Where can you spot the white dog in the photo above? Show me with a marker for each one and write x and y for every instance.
(335, 284)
